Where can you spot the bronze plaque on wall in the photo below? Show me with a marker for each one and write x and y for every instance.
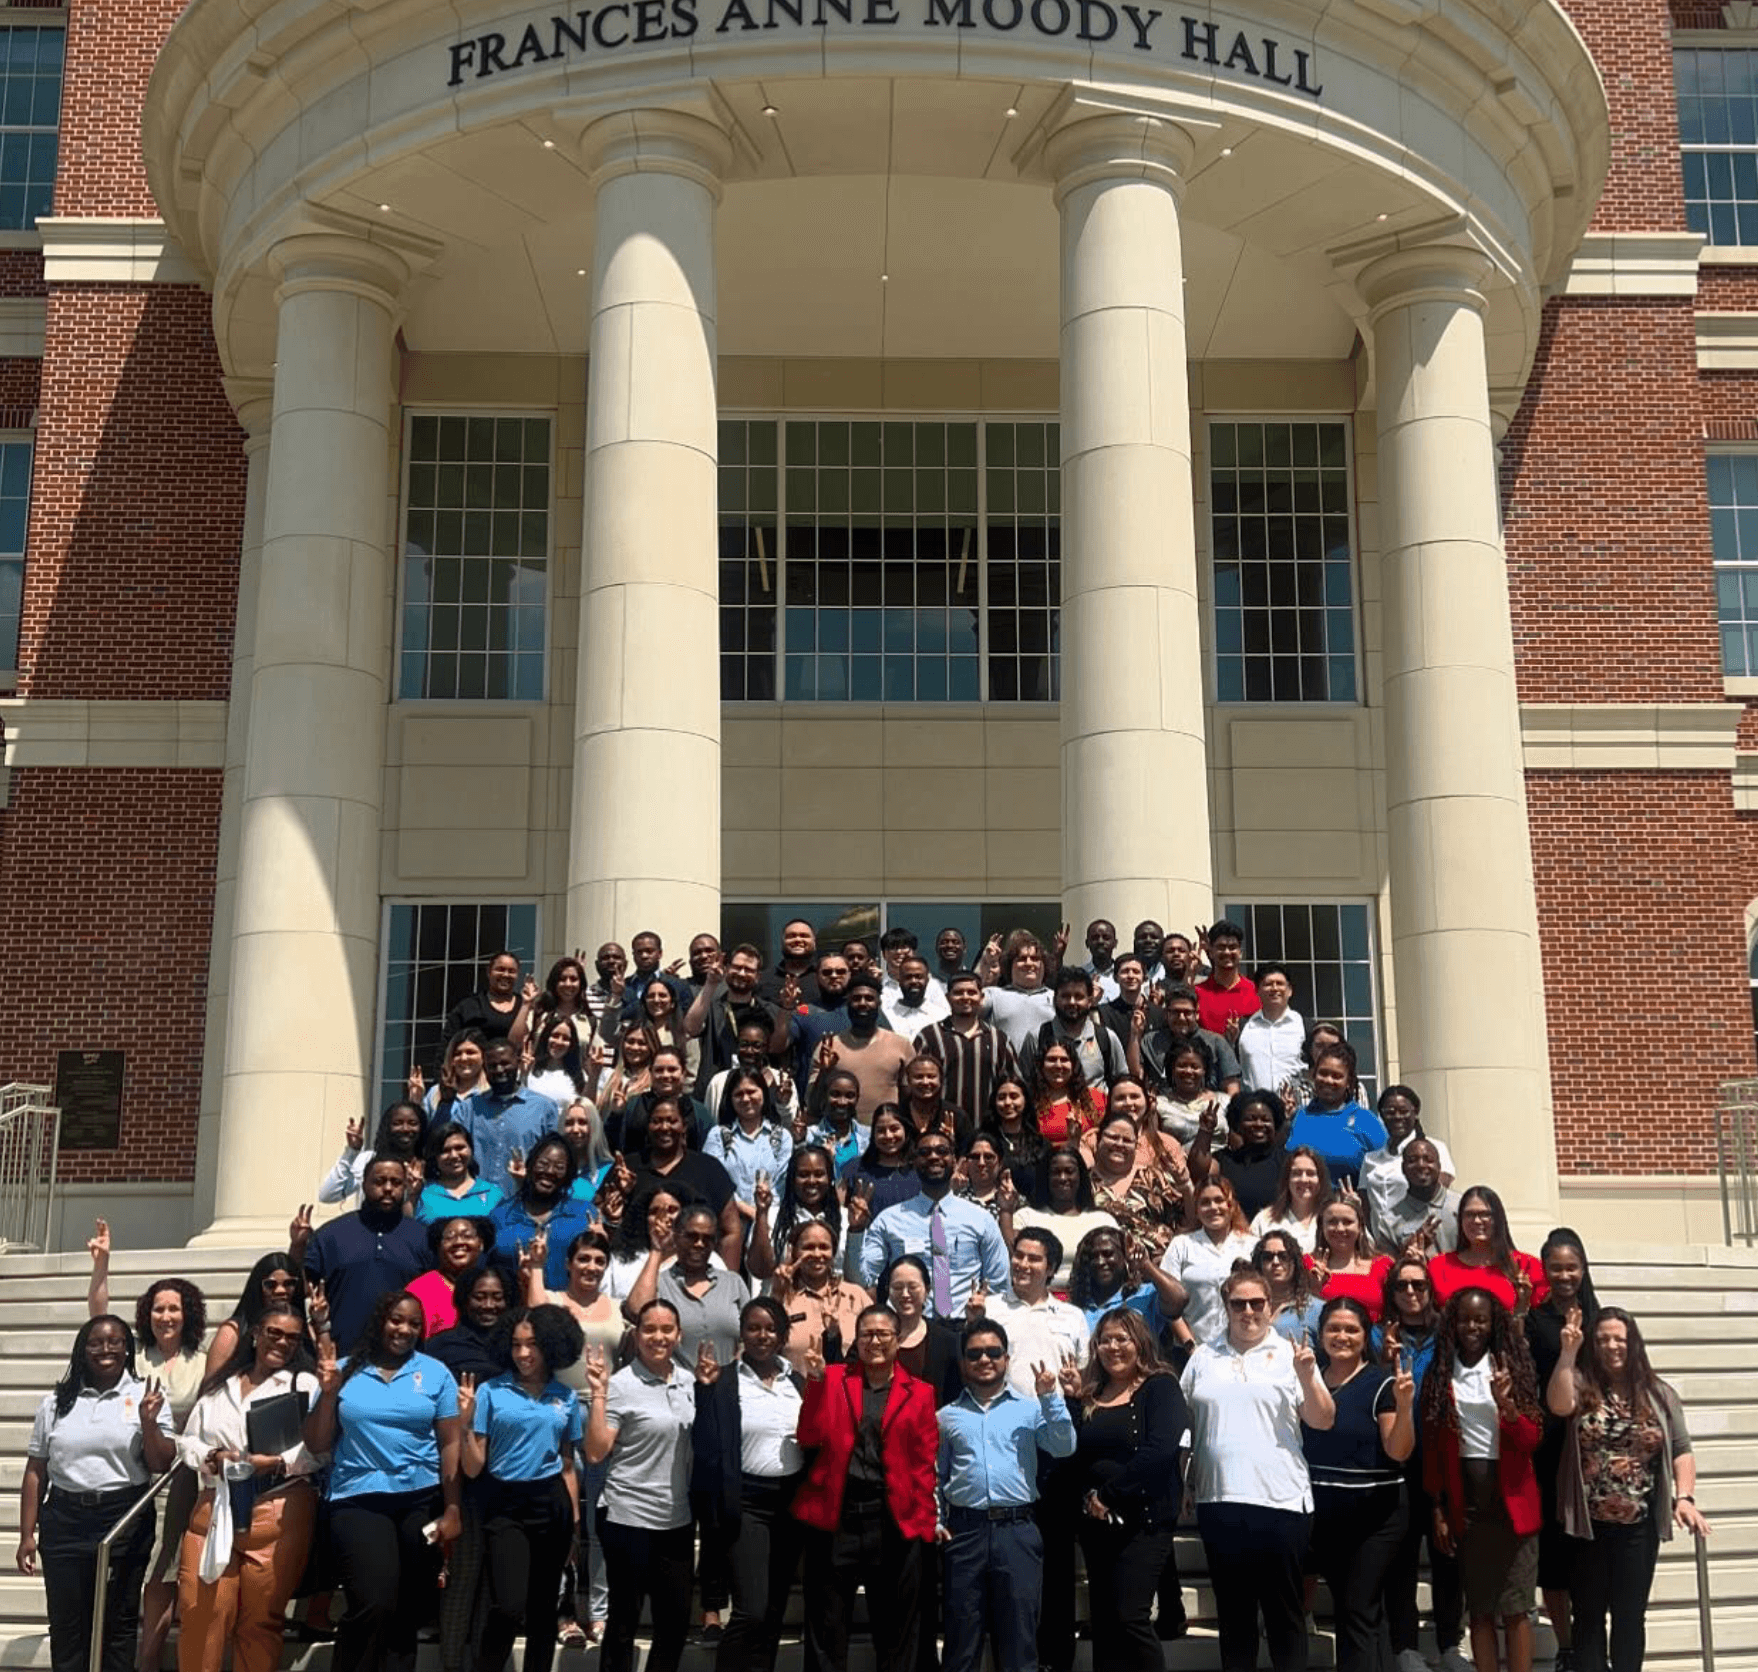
(88, 1091)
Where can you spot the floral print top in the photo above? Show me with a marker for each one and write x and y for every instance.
(1618, 1453)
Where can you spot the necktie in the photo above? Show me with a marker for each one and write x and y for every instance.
(939, 1265)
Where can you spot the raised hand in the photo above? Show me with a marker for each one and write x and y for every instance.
(414, 1088)
(1068, 1376)
(621, 1176)
(299, 1231)
(597, 1373)
(329, 1372)
(317, 1307)
(1007, 1198)
(1522, 1292)
(860, 1206)
(1305, 1361)
(516, 1164)
(790, 993)
(152, 1402)
(1043, 1379)
(466, 1397)
(1059, 940)
(762, 1194)
(355, 1136)
(1501, 1385)
(1404, 1386)
(812, 1363)
(781, 1281)
(529, 991)
(799, 1127)
(98, 1244)
(1210, 1117)
(675, 967)
(977, 1304)
(707, 1365)
(827, 1055)
(1391, 1345)
(1573, 1335)
(1138, 1021)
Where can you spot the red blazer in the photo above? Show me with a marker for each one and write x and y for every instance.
(1444, 1479)
(829, 1418)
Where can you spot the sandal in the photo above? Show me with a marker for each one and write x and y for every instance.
(570, 1636)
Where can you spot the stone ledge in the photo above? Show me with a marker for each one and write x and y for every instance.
(21, 327)
(1746, 783)
(66, 731)
(1634, 264)
(112, 250)
(1727, 342)
(1677, 737)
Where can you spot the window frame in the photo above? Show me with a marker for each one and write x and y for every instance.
(387, 903)
(831, 706)
(1710, 40)
(1728, 450)
(30, 236)
(1210, 608)
(479, 409)
(9, 670)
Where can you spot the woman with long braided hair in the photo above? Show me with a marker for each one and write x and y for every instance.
(1480, 1427)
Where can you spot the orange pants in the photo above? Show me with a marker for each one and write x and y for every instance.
(248, 1603)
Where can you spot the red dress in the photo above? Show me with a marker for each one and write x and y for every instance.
(1449, 1274)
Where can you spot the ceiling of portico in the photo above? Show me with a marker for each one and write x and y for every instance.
(876, 218)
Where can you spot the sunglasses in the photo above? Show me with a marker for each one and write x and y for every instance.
(972, 1354)
(1411, 1283)
(1244, 1303)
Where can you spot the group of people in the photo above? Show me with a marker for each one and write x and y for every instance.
(944, 1282)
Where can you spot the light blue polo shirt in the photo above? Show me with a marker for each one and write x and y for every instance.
(527, 1438)
(388, 1442)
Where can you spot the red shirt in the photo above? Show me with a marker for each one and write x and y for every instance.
(1368, 1287)
(1449, 1274)
(1215, 1005)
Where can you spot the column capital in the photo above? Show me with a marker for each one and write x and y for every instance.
(657, 141)
(1425, 272)
(1123, 145)
(339, 261)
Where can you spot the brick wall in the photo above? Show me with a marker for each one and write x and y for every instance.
(137, 501)
(1610, 567)
(110, 51)
(1642, 883)
(106, 904)
(1631, 41)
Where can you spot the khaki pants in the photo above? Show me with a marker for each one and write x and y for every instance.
(247, 1604)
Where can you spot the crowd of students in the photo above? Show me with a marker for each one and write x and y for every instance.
(937, 1281)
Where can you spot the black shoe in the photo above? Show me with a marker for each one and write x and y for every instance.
(1172, 1628)
(710, 1636)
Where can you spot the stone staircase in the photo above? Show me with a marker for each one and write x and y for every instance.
(1698, 1308)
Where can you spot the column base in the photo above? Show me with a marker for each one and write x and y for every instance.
(263, 1232)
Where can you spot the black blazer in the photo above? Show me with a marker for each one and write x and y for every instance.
(716, 1447)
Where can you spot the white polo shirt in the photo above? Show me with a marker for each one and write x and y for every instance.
(1245, 1425)
(1042, 1334)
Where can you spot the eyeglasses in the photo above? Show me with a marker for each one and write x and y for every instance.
(876, 1335)
(1247, 1303)
(972, 1354)
(1276, 1256)
(1418, 1283)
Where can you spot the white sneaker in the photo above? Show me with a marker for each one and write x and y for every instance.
(1455, 1660)
(1410, 1661)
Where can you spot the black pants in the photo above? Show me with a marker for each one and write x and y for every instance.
(993, 1576)
(644, 1564)
(1256, 1557)
(528, 1532)
(869, 1550)
(1446, 1597)
(1355, 1537)
(1058, 1520)
(713, 1560)
(1124, 1565)
(1614, 1571)
(68, 1536)
(764, 1554)
(389, 1576)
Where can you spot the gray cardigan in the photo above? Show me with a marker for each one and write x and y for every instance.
(1572, 1484)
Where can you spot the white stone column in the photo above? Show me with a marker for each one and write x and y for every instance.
(304, 977)
(644, 851)
(1465, 952)
(253, 400)
(1132, 689)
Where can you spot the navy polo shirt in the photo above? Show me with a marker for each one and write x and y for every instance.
(357, 1263)
(528, 1438)
(388, 1442)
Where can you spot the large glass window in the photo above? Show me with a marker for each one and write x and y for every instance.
(1733, 519)
(1328, 948)
(1717, 90)
(434, 954)
(915, 561)
(1283, 561)
(15, 498)
(30, 111)
(476, 528)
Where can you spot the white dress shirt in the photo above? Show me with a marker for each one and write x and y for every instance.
(1269, 1052)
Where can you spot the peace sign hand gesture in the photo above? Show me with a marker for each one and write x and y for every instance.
(329, 1372)
(812, 1363)
(1573, 1335)
(1043, 1379)
(466, 1397)
(152, 1402)
(1501, 1385)
(1404, 1386)
(597, 1373)
(1068, 1376)
(707, 1365)
(1305, 1361)
(860, 1206)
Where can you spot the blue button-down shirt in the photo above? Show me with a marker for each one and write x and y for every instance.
(989, 1453)
(500, 1125)
(973, 1245)
(514, 1227)
(745, 1154)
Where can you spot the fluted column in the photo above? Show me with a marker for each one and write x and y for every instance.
(645, 845)
(1465, 955)
(253, 400)
(1132, 695)
(306, 918)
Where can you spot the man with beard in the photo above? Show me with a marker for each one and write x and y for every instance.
(727, 1001)
(504, 1119)
(959, 1242)
(798, 965)
(916, 1001)
(873, 1054)
(373, 1251)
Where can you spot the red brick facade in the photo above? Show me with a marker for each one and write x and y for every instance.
(106, 908)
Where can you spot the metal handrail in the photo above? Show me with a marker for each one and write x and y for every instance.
(100, 1597)
(1705, 1627)
(1736, 1159)
(30, 1152)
